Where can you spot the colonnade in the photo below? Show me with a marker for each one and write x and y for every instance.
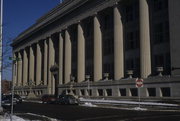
(33, 58)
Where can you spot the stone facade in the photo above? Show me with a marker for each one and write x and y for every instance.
(99, 47)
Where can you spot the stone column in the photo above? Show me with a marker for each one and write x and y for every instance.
(51, 60)
(25, 67)
(45, 62)
(80, 54)
(145, 55)
(31, 64)
(67, 57)
(61, 58)
(38, 64)
(97, 49)
(19, 69)
(118, 45)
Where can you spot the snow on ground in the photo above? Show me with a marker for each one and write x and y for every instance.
(7, 117)
(87, 104)
(126, 102)
(139, 109)
(34, 101)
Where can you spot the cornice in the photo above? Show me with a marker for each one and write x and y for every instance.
(56, 13)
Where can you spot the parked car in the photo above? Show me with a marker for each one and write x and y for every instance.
(7, 101)
(68, 99)
(17, 98)
(48, 98)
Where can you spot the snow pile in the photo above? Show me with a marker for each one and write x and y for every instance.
(139, 109)
(87, 104)
(7, 117)
(125, 102)
(33, 101)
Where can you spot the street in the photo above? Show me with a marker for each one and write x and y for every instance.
(82, 113)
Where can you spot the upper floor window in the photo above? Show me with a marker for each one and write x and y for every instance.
(132, 40)
(157, 5)
(88, 28)
(158, 33)
(129, 13)
(108, 22)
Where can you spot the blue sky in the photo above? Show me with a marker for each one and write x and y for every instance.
(21, 14)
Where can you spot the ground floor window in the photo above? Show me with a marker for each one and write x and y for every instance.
(109, 92)
(122, 92)
(151, 92)
(82, 92)
(134, 91)
(165, 92)
(100, 92)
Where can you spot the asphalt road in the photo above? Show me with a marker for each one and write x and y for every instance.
(81, 113)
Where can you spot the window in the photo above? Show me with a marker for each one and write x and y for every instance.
(130, 64)
(122, 92)
(88, 30)
(134, 92)
(151, 92)
(100, 92)
(158, 33)
(159, 60)
(108, 22)
(165, 92)
(74, 92)
(158, 5)
(82, 92)
(129, 13)
(132, 40)
(109, 92)
(89, 92)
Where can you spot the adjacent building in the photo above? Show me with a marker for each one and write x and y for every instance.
(99, 48)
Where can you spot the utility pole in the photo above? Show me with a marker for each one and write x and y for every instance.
(15, 64)
(1, 38)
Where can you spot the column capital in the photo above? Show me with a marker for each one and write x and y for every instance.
(95, 14)
(60, 32)
(115, 4)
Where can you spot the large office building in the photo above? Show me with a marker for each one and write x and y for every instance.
(99, 48)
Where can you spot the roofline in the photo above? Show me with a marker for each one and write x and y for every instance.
(47, 19)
